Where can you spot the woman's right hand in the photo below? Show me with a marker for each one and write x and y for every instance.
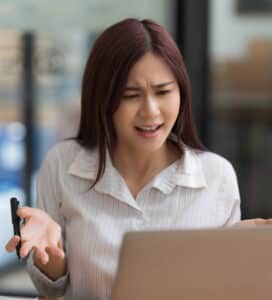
(41, 234)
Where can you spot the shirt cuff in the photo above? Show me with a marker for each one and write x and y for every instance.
(45, 285)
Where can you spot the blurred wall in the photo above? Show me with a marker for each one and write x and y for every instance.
(227, 23)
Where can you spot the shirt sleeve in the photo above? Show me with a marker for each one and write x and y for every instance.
(45, 286)
(229, 196)
(46, 188)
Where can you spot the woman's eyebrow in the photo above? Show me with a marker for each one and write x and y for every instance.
(159, 85)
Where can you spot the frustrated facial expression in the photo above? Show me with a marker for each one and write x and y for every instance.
(149, 106)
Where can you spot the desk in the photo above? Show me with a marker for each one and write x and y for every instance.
(19, 298)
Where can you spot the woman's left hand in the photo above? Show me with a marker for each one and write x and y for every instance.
(253, 222)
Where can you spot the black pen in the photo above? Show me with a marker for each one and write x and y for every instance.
(16, 220)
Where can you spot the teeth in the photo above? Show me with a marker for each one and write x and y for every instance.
(148, 129)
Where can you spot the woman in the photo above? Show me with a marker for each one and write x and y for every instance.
(136, 164)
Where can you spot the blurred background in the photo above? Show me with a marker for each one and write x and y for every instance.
(227, 46)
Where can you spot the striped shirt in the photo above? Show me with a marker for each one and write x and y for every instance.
(199, 190)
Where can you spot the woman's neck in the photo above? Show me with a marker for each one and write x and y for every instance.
(141, 167)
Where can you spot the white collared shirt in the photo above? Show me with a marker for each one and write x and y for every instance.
(198, 191)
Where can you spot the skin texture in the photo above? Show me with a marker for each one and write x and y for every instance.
(149, 104)
(151, 97)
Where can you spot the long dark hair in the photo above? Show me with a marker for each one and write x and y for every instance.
(113, 54)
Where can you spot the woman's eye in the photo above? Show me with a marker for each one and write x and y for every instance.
(163, 92)
(131, 96)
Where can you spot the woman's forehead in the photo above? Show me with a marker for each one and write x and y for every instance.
(150, 69)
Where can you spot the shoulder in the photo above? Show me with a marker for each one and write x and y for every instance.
(62, 154)
(213, 161)
(215, 166)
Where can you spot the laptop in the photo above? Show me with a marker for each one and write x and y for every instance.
(219, 264)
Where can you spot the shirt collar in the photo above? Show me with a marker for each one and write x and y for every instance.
(85, 165)
(186, 172)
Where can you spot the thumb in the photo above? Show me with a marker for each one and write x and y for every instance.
(25, 212)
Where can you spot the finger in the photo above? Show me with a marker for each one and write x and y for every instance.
(25, 249)
(12, 243)
(40, 256)
(253, 221)
(259, 221)
(26, 212)
(56, 252)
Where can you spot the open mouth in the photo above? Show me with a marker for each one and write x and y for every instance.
(149, 129)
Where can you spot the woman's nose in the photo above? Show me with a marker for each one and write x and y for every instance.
(149, 107)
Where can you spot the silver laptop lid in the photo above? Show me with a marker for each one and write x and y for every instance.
(199, 264)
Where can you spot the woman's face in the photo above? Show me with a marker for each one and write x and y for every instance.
(149, 106)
